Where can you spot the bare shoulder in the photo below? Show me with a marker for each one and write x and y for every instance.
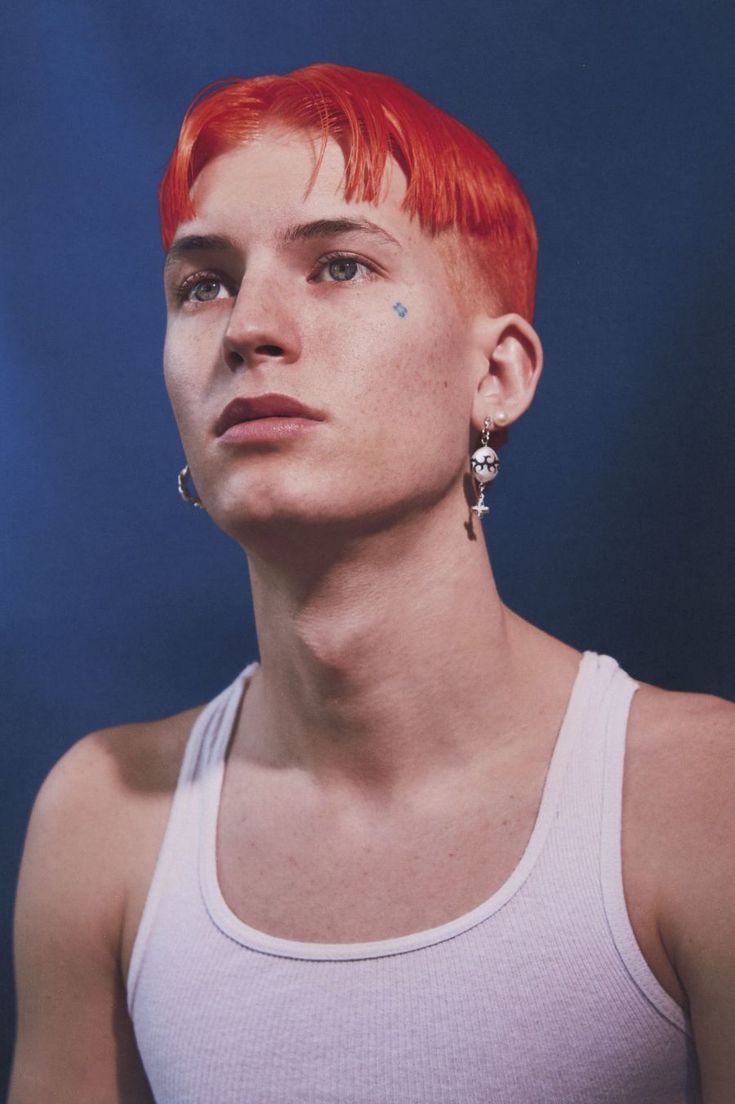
(134, 762)
(113, 791)
(688, 740)
(92, 840)
(146, 761)
(134, 756)
(681, 784)
(681, 757)
(103, 783)
(680, 792)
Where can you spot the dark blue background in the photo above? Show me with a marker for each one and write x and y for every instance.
(612, 525)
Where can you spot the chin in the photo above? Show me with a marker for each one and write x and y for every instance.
(254, 514)
(301, 522)
(258, 509)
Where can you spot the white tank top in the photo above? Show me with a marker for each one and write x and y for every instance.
(540, 995)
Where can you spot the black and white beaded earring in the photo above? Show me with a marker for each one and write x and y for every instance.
(485, 464)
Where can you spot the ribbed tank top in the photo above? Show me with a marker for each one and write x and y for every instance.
(540, 995)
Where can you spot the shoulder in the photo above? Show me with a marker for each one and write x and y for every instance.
(687, 740)
(89, 817)
(136, 760)
(683, 780)
(114, 768)
(680, 789)
(681, 751)
(92, 832)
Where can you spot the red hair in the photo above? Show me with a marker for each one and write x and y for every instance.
(456, 181)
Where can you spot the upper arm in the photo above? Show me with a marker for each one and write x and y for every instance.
(701, 913)
(74, 1040)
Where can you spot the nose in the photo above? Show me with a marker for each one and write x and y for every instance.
(262, 326)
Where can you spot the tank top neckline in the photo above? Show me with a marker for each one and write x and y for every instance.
(236, 929)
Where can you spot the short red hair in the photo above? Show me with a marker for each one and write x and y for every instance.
(456, 181)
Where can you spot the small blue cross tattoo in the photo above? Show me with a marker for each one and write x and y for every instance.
(400, 309)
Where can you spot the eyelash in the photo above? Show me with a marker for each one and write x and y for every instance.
(182, 290)
(327, 259)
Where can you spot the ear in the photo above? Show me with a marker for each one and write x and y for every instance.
(510, 359)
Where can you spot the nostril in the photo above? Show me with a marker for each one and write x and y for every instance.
(270, 350)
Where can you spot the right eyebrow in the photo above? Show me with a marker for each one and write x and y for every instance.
(332, 228)
(198, 243)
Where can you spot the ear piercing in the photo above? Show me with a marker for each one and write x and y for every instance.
(184, 491)
(485, 463)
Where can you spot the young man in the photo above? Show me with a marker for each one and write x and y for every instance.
(423, 851)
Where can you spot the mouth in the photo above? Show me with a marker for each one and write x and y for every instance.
(258, 407)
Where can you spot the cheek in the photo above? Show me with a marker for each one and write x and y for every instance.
(415, 395)
(416, 346)
(184, 374)
(427, 365)
(175, 380)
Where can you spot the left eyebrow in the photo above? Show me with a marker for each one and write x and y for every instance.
(332, 228)
(198, 243)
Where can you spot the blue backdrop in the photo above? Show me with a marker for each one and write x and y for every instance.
(612, 527)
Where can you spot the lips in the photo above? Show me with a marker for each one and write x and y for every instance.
(263, 406)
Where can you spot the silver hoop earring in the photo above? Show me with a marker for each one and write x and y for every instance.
(485, 466)
(185, 492)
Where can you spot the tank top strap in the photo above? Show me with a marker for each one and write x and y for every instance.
(218, 723)
(611, 863)
(179, 846)
(599, 695)
(600, 720)
(586, 850)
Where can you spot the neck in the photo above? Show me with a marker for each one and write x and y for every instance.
(386, 662)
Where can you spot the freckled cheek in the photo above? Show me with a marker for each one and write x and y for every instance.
(406, 389)
(352, 356)
(429, 359)
(413, 360)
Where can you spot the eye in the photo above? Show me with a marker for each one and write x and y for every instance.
(341, 268)
(206, 289)
(201, 287)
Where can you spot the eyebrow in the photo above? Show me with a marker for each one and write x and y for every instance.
(305, 231)
(332, 228)
(198, 243)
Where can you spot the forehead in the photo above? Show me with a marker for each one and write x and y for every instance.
(268, 183)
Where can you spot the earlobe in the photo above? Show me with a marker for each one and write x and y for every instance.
(513, 359)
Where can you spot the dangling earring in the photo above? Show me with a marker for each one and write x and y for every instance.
(184, 490)
(485, 466)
